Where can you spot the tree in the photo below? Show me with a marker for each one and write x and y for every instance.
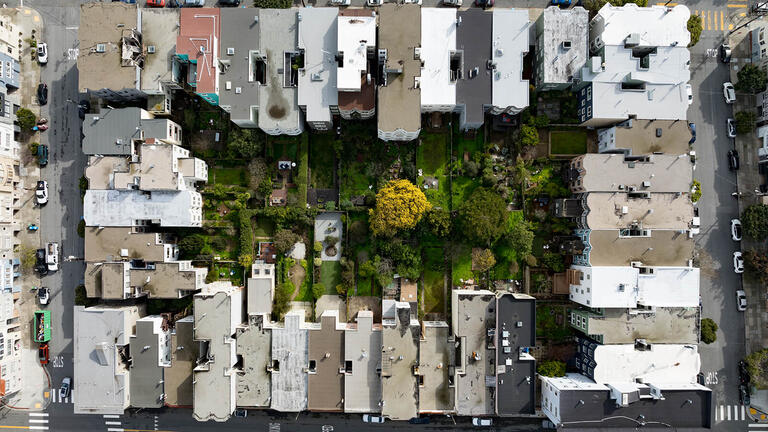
(245, 260)
(318, 290)
(551, 368)
(341, 290)
(752, 79)
(285, 239)
(553, 261)
(756, 264)
(26, 119)
(529, 135)
(521, 173)
(399, 205)
(757, 366)
(439, 222)
(483, 217)
(246, 143)
(754, 220)
(331, 240)
(483, 259)
(520, 237)
(471, 169)
(694, 28)
(708, 331)
(695, 191)
(191, 245)
(745, 122)
(366, 269)
(282, 297)
(265, 187)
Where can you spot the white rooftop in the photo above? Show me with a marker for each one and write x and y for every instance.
(510, 43)
(669, 287)
(317, 84)
(356, 34)
(438, 40)
(656, 25)
(113, 208)
(663, 363)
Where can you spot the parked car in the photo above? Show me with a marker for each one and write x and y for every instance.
(729, 93)
(731, 124)
(477, 421)
(744, 395)
(40, 265)
(65, 388)
(484, 3)
(229, 2)
(42, 353)
(741, 300)
(83, 107)
(193, 3)
(41, 192)
(367, 418)
(418, 2)
(341, 2)
(744, 377)
(738, 262)
(689, 92)
(42, 53)
(43, 295)
(736, 229)
(155, 3)
(42, 93)
(456, 3)
(374, 2)
(241, 413)
(692, 128)
(42, 155)
(725, 53)
(565, 3)
(419, 420)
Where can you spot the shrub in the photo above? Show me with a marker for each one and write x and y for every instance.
(340, 290)
(694, 28)
(331, 240)
(708, 331)
(317, 262)
(81, 228)
(82, 184)
(695, 191)
(272, 4)
(33, 148)
(551, 368)
(246, 232)
(26, 119)
(754, 219)
(553, 261)
(282, 297)
(330, 205)
(317, 246)
(757, 366)
(531, 261)
(745, 122)
(318, 289)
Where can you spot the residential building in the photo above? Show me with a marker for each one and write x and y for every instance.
(159, 74)
(510, 41)
(9, 38)
(515, 364)
(218, 312)
(125, 244)
(757, 45)
(318, 95)
(10, 342)
(102, 358)
(632, 210)
(618, 248)
(436, 356)
(326, 364)
(399, 107)
(632, 174)
(643, 137)
(356, 70)
(577, 402)
(254, 343)
(362, 365)
(289, 366)
(279, 112)
(197, 52)
(184, 354)
(636, 286)
(118, 132)
(441, 62)
(761, 105)
(260, 288)
(561, 47)
(473, 320)
(242, 65)
(639, 65)
(150, 357)
(657, 325)
(399, 363)
(132, 208)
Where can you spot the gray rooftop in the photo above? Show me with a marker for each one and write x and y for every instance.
(557, 63)
(289, 361)
(515, 377)
(318, 30)
(326, 351)
(474, 37)
(435, 356)
(259, 296)
(111, 132)
(150, 347)
(362, 352)
(239, 31)
(178, 378)
(664, 325)
(399, 355)
(254, 344)
(159, 28)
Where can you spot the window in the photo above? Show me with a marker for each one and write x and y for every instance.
(312, 366)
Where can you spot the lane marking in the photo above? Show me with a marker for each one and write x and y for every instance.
(722, 20)
(14, 427)
(38, 414)
(38, 427)
(115, 430)
(111, 416)
(737, 6)
(112, 423)
(742, 413)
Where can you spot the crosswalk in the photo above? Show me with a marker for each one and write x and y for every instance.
(56, 399)
(718, 19)
(731, 413)
(113, 423)
(38, 421)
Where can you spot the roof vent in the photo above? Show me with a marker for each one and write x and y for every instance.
(238, 90)
(151, 49)
(230, 51)
(100, 48)
(566, 45)
(316, 77)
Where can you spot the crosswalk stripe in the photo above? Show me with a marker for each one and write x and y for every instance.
(112, 423)
(111, 416)
(38, 427)
(38, 420)
(758, 425)
(38, 414)
(115, 430)
(722, 412)
(72, 395)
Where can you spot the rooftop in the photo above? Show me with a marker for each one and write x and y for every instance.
(151, 353)
(111, 244)
(198, 42)
(664, 325)
(318, 31)
(641, 137)
(438, 42)
(254, 343)
(399, 96)
(112, 131)
(102, 26)
(510, 42)
(178, 378)
(356, 33)
(662, 211)
(475, 38)
(168, 279)
(289, 364)
(561, 35)
(655, 25)
(159, 28)
(113, 208)
(515, 367)
(107, 280)
(239, 36)
(613, 173)
(326, 351)
(400, 354)
(662, 363)
(435, 359)
(662, 247)
(362, 349)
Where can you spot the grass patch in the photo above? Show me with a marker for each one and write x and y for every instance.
(229, 176)
(467, 143)
(283, 148)
(568, 142)
(301, 178)
(462, 265)
(228, 272)
(432, 154)
(433, 278)
(321, 161)
(330, 275)
(264, 228)
(364, 286)
(547, 326)
(462, 189)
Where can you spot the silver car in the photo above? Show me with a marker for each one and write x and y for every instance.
(729, 93)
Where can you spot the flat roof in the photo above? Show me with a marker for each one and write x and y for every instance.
(646, 137)
(362, 348)
(400, 99)
(106, 280)
(101, 375)
(435, 357)
(260, 295)
(356, 33)
(159, 28)
(168, 279)
(178, 377)
(147, 374)
(438, 42)
(198, 41)
(660, 248)
(473, 314)
(326, 349)
(115, 208)
(254, 343)
(101, 170)
(656, 25)
(104, 23)
(112, 131)
(400, 353)
(290, 350)
(663, 211)
(663, 363)
(515, 375)
(159, 166)
(240, 31)
(664, 325)
(510, 41)
(474, 37)
(669, 286)
(609, 172)
(557, 63)
(318, 31)
(108, 244)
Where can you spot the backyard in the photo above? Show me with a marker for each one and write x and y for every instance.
(568, 142)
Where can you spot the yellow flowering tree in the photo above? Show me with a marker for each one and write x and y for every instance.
(399, 205)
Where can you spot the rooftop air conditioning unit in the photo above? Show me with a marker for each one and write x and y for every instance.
(100, 48)
(230, 51)
(151, 49)
(647, 184)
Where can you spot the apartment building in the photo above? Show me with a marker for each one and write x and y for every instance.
(436, 356)
(441, 62)
(561, 47)
(399, 363)
(645, 174)
(260, 287)
(757, 45)
(643, 137)
(362, 365)
(242, 65)
(399, 105)
(197, 52)
(150, 358)
(254, 346)
(184, 354)
(290, 363)
(318, 95)
(10, 342)
(326, 364)
(357, 63)
(118, 132)
(102, 354)
(515, 365)
(655, 325)
(638, 65)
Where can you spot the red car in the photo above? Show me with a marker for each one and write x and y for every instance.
(42, 353)
(155, 3)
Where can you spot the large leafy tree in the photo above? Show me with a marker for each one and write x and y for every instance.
(520, 237)
(285, 239)
(191, 245)
(752, 79)
(439, 222)
(757, 264)
(399, 205)
(247, 143)
(755, 221)
(483, 217)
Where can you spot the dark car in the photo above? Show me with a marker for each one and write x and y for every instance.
(692, 127)
(229, 2)
(725, 53)
(419, 420)
(42, 155)
(42, 93)
(83, 107)
(484, 3)
(241, 413)
(733, 160)
(744, 377)
(744, 395)
(40, 265)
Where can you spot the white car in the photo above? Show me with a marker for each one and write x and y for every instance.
(729, 93)
(43, 295)
(42, 53)
(689, 92)
(418, 2)
(456, 3)
(741, 300)
(66, 386)
(731, 125)
(41, 192)
(738, 262)
(341, 2)
(367, 418)
(374, 2)
(477, 421)
(736, 229)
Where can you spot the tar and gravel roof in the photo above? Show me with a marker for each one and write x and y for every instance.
(557, 63)
(400, 353)
(609, 172)
(515, 377)
(254, 344)
(317, 36)
(326, 349)
(240, 32)
(290, 349)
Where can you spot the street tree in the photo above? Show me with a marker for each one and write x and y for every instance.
(756, 264)
(751, 79)
(694, 28)
(754, 220)
(26, 119)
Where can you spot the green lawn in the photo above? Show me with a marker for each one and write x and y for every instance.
(264, 228)
(330, 275)
(547, 326)
(229, 176)
(352, 179)
(462, 144)
(462, 189)
(363, 286)
(568, 142)
(283, 148)
(321, 163)
(432, 155)
(434, 280)
(462, 265)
